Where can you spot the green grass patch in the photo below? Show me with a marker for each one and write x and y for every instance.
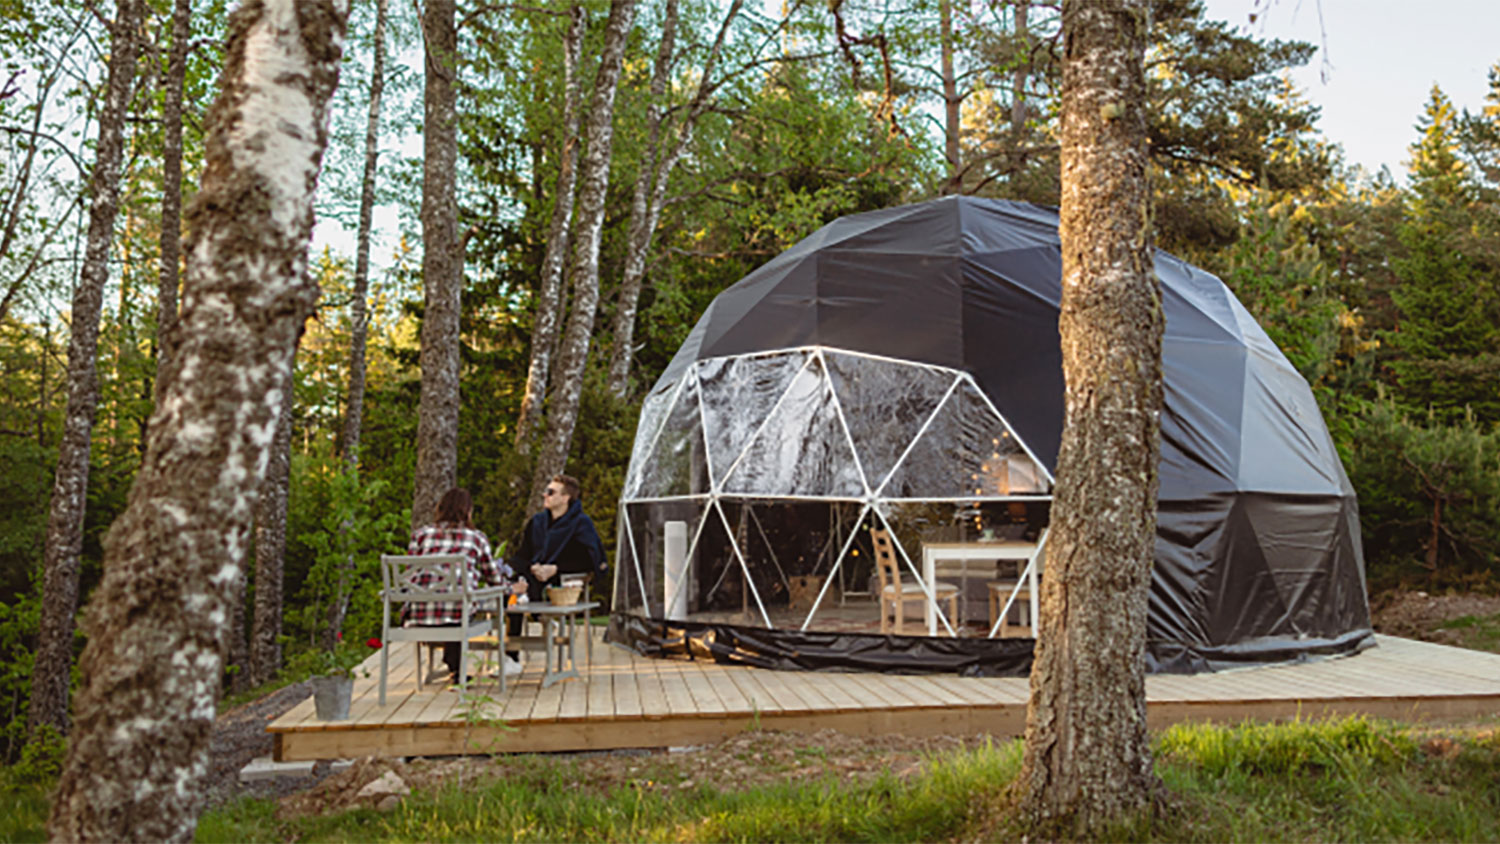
(1348, 780)
(1476, 632)
(23, 811)
(1344, 780)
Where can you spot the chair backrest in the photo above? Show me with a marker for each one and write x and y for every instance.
(885, 560)
(426, 578)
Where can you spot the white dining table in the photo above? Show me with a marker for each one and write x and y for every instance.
(988, 550)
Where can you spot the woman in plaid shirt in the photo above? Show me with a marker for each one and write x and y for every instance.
(453, 532)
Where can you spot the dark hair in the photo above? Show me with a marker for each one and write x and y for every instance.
(455, 508)
(570, 486)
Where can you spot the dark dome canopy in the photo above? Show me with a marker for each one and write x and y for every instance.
(1258, 551)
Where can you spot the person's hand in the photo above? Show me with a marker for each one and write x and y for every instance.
(519, 587)
(544, 571)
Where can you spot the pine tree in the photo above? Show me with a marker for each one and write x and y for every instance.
(1445, 340)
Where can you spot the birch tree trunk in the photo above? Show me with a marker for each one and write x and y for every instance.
(359, 308)
(171, 197)
(157, 622)
(270, 548)
(437, 425)
(562, 410)
(359, 317)
(1087, 761)
(549, 289)
(54, 654)
(651, 187)
(951, 101)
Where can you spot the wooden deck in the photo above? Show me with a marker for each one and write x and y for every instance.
(631, 701)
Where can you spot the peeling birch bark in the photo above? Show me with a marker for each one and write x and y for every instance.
(651, 187)
(562, 410)
(1087, 761)
(359, 315)
(171, 195)
(549, 287)
(157, 623)
(60, 566)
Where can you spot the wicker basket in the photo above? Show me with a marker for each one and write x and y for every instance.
(563, 596)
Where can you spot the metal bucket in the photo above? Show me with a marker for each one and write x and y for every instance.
(331, 696)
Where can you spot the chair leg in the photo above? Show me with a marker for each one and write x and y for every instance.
(885, 621)
(900, 617)
(385, 658)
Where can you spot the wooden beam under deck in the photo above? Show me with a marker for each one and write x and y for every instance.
(631, 701)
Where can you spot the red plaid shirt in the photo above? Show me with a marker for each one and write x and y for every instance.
(452, 539)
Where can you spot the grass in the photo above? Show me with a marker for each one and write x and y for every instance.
(1349, 780)
(1344, 780)
(1476, 632)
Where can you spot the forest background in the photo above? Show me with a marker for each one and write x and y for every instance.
(736, 131)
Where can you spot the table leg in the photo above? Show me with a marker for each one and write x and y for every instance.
(929, 573)
(547, 635)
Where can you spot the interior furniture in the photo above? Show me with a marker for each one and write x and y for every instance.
(999, 549)
(560, 626)
(1008, 594)
(434, 578)
(895, 595)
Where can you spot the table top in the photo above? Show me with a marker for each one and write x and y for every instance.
(993, 546)
(543, 608)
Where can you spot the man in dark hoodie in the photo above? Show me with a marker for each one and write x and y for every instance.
(560, 540)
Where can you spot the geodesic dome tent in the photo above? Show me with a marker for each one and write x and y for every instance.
(900, 371)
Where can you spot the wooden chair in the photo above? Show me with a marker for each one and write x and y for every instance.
(896, 594)
(1000, 592)
(430, 579)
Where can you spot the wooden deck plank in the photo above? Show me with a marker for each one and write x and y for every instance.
(836, 692)
(672, 673)
(600, 694)
(705, 700)
(625, 692)
(575, 700)
(775, 685)
(881, 693)
(805, 686)
(650, 691)
(748, 682)
(734, 700)
(548, 702)
(686, 702)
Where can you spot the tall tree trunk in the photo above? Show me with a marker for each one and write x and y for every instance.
(236, 646)
(549, 288)
(171, 197)
(270, 548)
(156, 625)
(54, 654)
(1087, 761)
(437, 425)
(951, 101)
(359, 313)
(1021, 72)
(562, 410)
(359, 308)
(651, 188)
(638, 239)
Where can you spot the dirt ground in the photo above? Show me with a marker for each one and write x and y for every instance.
(744, 761)
(747, 760)
(1418, 615)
